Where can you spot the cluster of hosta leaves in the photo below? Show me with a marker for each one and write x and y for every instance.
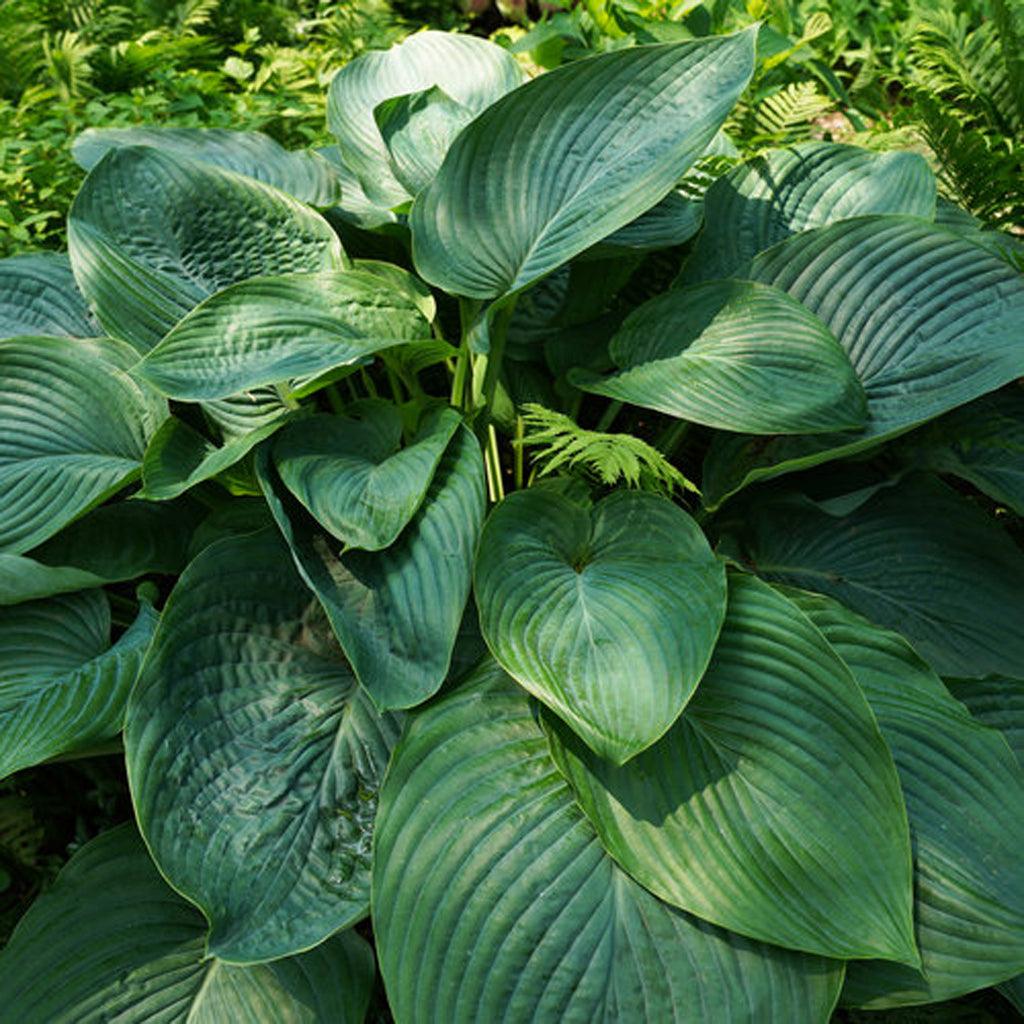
(578, 752)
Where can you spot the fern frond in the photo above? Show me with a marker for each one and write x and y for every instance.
(608, 458)
(795, 105)
(67, 58)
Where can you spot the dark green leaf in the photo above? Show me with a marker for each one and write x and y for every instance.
(397, 611)
(62, 687)
(917, 558)
(253, 756)
(772, 806)
(110, 941)
(73, 429)
(493, 899)
(570, 158)
(351, 476)
(608, 615)
(735, 355)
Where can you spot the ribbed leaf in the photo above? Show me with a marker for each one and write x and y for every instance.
(351, 476)
(734, 355)
(772, 806)
(305, 175)
(493, 900)
(110, 941)
(179, 457)
(929, 321)
(397, 611)
(608, 615)
(570, 158)
(253, 756)
(964, 793)
(62, 687)
(188, 231)
(982, 442)
(73, 428)
(916, 558)
(673, 221)
(472, 71)
(38, 295)
(125, 540)
(418, 129)
(275, 328)
(997, 702)
(786, 191)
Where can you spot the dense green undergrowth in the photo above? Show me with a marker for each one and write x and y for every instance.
(533, 536)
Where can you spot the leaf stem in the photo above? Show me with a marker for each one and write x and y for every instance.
(606, 420)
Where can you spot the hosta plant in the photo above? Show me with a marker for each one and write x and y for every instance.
(517, 565)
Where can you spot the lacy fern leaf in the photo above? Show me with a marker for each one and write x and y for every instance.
(609, 458)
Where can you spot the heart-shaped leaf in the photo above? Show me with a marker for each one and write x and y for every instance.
(873, 559)
(608, 615)
(493, 900)
(785, 191)
(189, 230)
(38, 295)
(63, 688)
(571, 157)
(470, 70)
(253, 756)
(111, 941)
(396, 612)
(964, 793)
(274, 328)
(305, 175)
(772, 806)
(73, 429)
(735, 355)
(351, 475)
(929, 321)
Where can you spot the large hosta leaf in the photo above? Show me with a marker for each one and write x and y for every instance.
(351, 476)
(493, 900)
(785, 191)
(275, 328)
(982, 442)
(110, 941)
(571, 157)
(772, 806)
(964, 793)
(472, 71)
(305, 175)
(253, 756)
(917, 558)
(396, 611)
(62, 687)
(735, 355)
(169, 231)
(608, 615)
(929, 321)
(73, 429)
(38, 295)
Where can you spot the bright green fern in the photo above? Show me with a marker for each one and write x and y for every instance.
(608, 458)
